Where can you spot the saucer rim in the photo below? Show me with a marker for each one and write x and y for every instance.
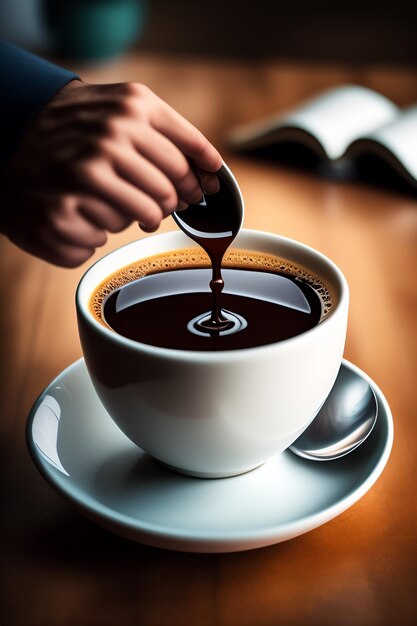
(216, 541)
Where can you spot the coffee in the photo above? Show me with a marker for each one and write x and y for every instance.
(161, 301)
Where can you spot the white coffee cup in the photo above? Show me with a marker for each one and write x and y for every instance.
(214, 414)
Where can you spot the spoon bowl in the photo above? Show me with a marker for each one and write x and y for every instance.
(345, 420)
(214, 223)
(217, 216)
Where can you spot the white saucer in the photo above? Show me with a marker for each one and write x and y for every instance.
(83, 455)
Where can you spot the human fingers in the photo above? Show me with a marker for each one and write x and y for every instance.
(53, 250)
(73, 228)
(65, 255)
(135, 111)
(209, 182)
(187, 138)
(150, 179)
(103, 215)
(169, 159)
(101, 179)
(147, 160)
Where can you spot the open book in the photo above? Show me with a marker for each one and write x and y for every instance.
(339, 126)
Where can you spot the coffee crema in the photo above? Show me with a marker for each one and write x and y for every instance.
(159, 300)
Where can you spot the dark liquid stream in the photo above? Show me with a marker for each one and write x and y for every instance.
(213, 224)
(216, 252)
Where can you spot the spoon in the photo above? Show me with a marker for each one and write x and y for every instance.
(213, 223)
(344, 421)
(217, 216)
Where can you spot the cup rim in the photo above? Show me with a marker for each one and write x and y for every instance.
(196, 356)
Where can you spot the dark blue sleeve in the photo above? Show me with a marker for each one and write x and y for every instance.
(27, 83)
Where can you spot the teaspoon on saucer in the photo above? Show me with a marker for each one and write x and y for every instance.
(344, 421)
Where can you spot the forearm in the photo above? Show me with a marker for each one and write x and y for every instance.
(27, 84)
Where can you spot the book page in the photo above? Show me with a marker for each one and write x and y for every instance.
(335, 119)
(399, 138)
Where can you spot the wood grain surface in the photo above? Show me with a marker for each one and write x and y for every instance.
(359, 569)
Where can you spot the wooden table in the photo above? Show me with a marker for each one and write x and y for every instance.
(360, 568)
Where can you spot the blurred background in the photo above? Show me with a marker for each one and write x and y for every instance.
(345, 31)
(223, 63)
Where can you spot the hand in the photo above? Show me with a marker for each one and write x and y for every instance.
(97, 158)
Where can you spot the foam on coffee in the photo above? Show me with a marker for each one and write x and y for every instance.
(194, 258)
